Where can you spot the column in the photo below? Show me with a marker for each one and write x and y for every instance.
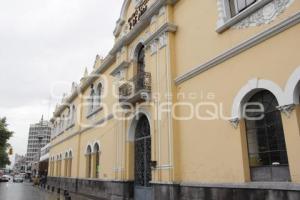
(290, 120)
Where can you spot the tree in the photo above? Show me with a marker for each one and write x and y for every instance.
(5, 134)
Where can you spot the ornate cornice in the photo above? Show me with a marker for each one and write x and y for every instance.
(120, 67)
(287, 109)
(262, 12)
(167, 27)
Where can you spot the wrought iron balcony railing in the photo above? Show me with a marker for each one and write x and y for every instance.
(138, 89)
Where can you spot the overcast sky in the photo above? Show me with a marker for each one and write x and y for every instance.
(46, 43)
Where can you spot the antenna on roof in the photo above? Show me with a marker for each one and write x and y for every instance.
(42, 119)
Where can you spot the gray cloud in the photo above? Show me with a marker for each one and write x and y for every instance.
(43, 42)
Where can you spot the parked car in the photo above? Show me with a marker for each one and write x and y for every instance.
(4, 178)
(18, 179)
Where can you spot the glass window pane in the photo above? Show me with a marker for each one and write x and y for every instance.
(266, 142)
(241, 4)
(249, 2)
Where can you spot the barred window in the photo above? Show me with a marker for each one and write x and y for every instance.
(96, 166)
(266, 141)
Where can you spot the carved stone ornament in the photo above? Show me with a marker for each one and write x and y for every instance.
(235, 122)
(287, 109)
(264, 15)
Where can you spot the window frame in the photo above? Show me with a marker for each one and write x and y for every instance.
(236, 7)
(94, 101)
(227, 20)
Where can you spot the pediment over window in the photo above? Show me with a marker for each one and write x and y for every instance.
(248, 13)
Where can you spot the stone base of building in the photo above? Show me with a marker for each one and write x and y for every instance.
(87, 189)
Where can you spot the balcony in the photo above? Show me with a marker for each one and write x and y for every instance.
(136, 90)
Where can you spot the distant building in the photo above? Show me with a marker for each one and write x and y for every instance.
(39, 136)
(20, 163)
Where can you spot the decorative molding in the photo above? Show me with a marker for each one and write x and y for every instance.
(153, 19)
(163, 40)
(70, 126)
(94, 112)
(292, 88)
(287, 109)
(121, 21)
(153, 47)
(133, 123)
(166, 27)
(139, 27)
(235, 122)
(99, 122)
(123, 65)
(262, 12)
(249, 89)
(162, 11)
(164, 167)
(264, 15)
(253, 41)
(225, 20)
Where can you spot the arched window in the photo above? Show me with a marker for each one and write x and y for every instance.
(60, 166)
(73, 118)
(97, 161)
(99, 94)
(265, 137)
(50, 167)
(66, 164)
(141, 60)
(54, 129)
(142, 153)
(68, 120)
(62, 122)
(88, 162)
(91, 100)
(53, 166)
(70, 164)
(57, 167)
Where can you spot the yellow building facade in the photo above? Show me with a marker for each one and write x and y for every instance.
(172, 111)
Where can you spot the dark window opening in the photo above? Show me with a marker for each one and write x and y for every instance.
(142, 153)
(265, 137)
(141, 60)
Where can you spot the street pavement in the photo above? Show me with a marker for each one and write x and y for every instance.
(24, 191)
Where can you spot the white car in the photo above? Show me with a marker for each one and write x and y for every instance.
(18, 179)
(4, 178)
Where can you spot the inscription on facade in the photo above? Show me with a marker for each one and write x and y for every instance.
(136, 16)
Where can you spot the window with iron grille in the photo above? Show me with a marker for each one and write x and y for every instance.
(143, 153)
(266, 142)
(265, 134)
